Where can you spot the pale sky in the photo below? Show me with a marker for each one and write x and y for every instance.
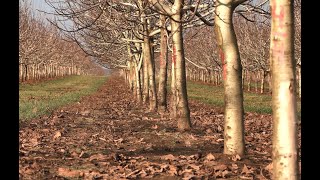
(40, 5)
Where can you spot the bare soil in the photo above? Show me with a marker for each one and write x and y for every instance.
(108, 136)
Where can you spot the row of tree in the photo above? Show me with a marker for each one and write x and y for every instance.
(132, 34)
(44, 52)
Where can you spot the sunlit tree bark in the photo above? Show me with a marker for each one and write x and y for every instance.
(232, 73)
(284, 106)
(162, 93)
(182, 107)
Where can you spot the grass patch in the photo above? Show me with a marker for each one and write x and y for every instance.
(40, 99)
(253, 102)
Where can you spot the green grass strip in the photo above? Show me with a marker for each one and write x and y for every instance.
(40, 99)
(253, 102)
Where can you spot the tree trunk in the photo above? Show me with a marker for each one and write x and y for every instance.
(173, 98)
(243, 77)
(263, 76)
(150, 66)
(137, 68)
(183, 112)
(299, 81)
(284, 105)
(145, 93)
(20, 72)
(249, 80)
(131, 70)
(232, 73)
(163, 67)
(138, 85)
(256, 82)
(270, 83)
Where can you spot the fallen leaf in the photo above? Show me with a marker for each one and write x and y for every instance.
(102, 139)
(269, 167)
(118, 140)
(209, 163)
(187, 175)
(195, 167)
(57, 135)
(220, 167)
(208, 131)
(173, 170)
(34, 141)
(236, 158)
(99, 157)
(83, 155)
(135, 172)
(168, 157)
(245, 170)
(245, 177)
(68, 173)
(210, 157)
(225, 173)
(74, 154)
(85, 113)
(187, 143)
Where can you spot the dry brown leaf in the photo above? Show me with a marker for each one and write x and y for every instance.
(210, 157)
(57, 135)
(187, 175)
(208, 131)
(195, 167)
(173, 170)
(225, 173)
(220, 167)
(193, 137)
(133, 173)
(142, 173)
(45, 130)
(249, 138)
(29, 171)
(245, 177)
(168, 157)
(83, 155)
(187, 143)
(118, 140)
(260, 176)
(269, 167)
(74, 154)
(220, 140)
(246, 170)
(222, 174)
(94, 175)
(234, 166)
(103, 139)
(68, 173)
(99, 157)
(236, 158)
(209, 163)
(34, 142)
(85, 113)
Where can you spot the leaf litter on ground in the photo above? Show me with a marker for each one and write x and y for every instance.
(108, 136)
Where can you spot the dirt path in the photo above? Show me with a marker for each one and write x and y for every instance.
(108, 136)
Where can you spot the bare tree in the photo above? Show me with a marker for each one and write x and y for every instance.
(284, 151)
